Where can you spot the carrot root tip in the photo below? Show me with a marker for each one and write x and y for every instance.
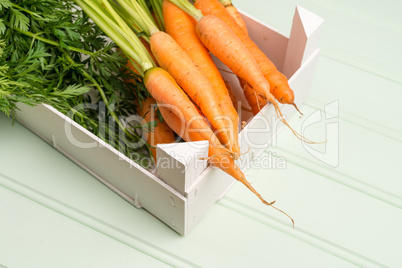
(293, 222)
(248, 150)
(298, 135)
(301, 114)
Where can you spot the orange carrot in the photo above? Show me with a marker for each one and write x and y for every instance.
(235, 14)
(237, 17)
(255, 101)
(231, 51)
(161, 133)
(186, 130)
(231, 95)
(166, 91)
(279, 84)
(181, 27)
(192, 80)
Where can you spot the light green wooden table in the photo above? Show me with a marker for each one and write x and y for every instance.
(54, 214)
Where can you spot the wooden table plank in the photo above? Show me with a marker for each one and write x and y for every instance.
(70, 197)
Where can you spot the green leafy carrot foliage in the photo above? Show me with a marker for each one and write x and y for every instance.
(52, 53)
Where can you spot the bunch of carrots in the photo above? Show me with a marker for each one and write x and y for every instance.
(172, 55)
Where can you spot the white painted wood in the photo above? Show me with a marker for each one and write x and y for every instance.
(180, 164)
(137, 185)
(303, 40)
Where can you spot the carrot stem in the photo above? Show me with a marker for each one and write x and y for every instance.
(128, 18)
(188, 8)
(145, 8)
(103, 14)
(226, 2)
(157, 7)
(145, 59)
(109, 27)
(140, 16)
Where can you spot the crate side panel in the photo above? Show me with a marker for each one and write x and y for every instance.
(302, 79)
(103, 162)
(211, 186)
(270, 41)
(303, 40)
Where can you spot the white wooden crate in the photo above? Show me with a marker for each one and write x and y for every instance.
(181, 194)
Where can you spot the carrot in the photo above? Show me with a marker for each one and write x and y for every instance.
(181, 27)
(161, 132)
(168, 94)
(231, 51)
(196, 130)
(217, 156)
(166, 91)
(235, 14)
(231, 95)
(223, 43)
(279, 84)
(255, 101)
(175, 60)
(237, 17)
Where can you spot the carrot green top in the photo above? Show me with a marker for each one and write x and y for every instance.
(226, 2)
(104, 14)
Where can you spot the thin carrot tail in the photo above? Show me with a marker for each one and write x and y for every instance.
(251, 188)
(301, 114)
(293, 222)
(283, 120)
(229, 166)
(221, 160)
